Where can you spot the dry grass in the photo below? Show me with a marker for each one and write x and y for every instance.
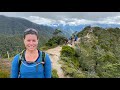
(5, 66)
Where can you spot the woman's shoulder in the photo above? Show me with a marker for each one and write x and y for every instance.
(16, 57)
(47, 56)
(43, 52)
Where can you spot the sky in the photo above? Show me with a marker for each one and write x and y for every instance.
(71, 18)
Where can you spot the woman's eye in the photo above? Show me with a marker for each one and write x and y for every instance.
(28, 40)
(34, 41)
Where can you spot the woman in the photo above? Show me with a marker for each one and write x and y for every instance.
(31, 64)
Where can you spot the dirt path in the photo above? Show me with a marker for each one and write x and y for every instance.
(55, 57)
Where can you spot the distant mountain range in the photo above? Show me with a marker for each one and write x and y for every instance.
(14, 26)
(107, 25)
(68, 29)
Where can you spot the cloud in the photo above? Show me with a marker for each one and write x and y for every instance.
(73, 21)
(64, 21)
(76, 21)
(110, 20)
(40, 20)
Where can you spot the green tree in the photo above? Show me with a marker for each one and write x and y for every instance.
(56, 32)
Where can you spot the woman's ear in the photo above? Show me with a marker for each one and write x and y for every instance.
(23, 40)
(38, 41)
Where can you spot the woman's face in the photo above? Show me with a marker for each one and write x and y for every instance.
(31, 42)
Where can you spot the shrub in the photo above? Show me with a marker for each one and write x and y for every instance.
(54, 41)
(4, 74)
(54, 74)
(67, 51)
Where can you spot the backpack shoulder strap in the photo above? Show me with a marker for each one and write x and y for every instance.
(43, 61)
(43, 57)
(21, 56)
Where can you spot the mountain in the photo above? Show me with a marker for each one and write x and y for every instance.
(96, 54)
(13, 25)
(11, 34)
(68, 29)
(107, 25)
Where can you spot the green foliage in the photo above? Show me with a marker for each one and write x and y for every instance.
(11, 34)
(71, 67)
(70, 70)
(5, 68)
(44, 48)
(84, 31)
(56, 32)
(54, 74)
(97, 56)
(109, 70)
(55, 41)
(67, 51)
(4, 74)
(13, 44)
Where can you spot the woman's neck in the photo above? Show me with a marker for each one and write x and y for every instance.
(31, 56)
(29, 52)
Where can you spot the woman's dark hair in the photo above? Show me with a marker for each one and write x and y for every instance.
(31, 31)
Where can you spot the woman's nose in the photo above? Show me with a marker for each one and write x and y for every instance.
(31, 42)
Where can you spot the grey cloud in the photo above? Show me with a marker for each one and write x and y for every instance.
(61, 15)
(67, 17)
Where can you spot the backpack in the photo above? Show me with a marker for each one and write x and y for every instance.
(21, 57)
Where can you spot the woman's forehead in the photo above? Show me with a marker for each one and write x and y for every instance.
(30, 36)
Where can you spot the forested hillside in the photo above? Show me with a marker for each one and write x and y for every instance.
(11, 32)
(97, 55)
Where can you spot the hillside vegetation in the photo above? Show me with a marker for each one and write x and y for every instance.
(11, 34)
(96, 56)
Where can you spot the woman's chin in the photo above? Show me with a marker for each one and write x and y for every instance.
(31, 49)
